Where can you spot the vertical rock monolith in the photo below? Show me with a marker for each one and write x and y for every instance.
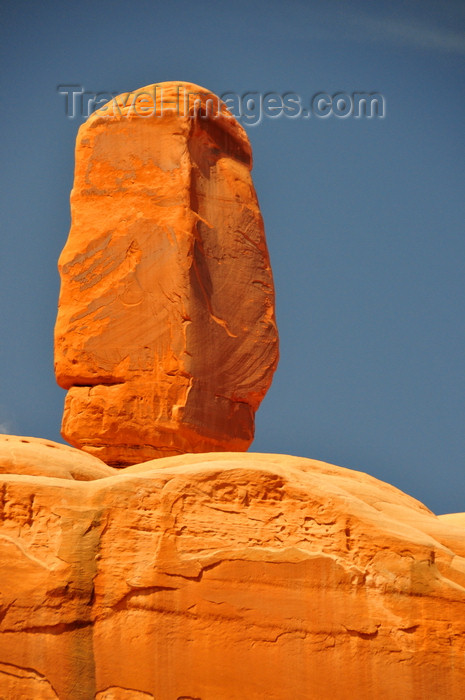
(165, 337)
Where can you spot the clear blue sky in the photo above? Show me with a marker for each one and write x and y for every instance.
(364, 218)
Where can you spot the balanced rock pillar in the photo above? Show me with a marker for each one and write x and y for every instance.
(165, 337)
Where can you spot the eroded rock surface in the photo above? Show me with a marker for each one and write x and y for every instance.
(166, 337)
(40, 457)
(227, 576)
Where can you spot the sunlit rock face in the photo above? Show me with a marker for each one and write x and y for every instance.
(165, 337)
(222, 576)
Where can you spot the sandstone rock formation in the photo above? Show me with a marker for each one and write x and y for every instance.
(454, 519)
(225, 576)
(216, 576)
(165, 337)
(38, 457)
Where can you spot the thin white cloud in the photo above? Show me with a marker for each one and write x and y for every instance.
(432, 26)
(6, 423)
(407, 33)
(410, 25)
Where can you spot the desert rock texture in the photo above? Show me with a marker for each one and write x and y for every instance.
(223, 576)
(165, 337)
(199, 572)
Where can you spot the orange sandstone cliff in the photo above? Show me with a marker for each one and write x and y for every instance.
(222, 576)
(165, 337)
